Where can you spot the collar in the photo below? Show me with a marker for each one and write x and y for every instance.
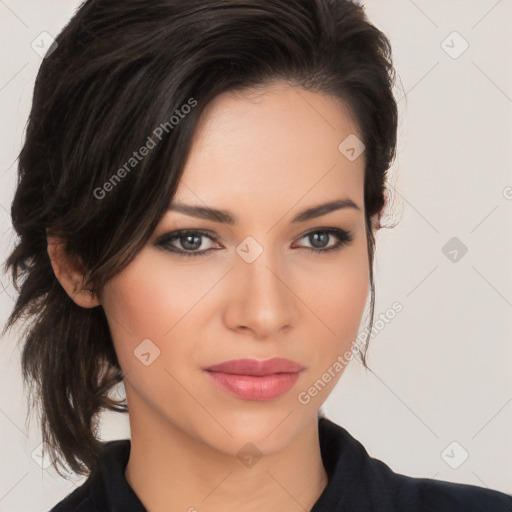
(354, 481)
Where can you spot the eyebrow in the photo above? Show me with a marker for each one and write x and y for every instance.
(228, 218)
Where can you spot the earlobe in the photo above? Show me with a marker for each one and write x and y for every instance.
(69, 274)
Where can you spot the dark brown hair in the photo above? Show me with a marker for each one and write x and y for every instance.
(120, 70)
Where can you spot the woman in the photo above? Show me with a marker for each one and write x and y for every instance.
(199, 193)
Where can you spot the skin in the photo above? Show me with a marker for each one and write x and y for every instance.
(265, 156)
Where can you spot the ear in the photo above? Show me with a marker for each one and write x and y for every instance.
(376, 221)
(69, 273)
(376, 225)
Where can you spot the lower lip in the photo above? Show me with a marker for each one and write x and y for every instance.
(251, 387)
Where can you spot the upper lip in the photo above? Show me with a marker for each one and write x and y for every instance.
(255, 367)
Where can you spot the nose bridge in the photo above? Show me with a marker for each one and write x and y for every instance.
(264, 303)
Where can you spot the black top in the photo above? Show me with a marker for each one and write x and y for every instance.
(357, 483)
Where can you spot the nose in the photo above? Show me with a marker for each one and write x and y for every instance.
(260, 300)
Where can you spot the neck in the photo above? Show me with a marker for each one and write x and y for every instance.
(169, 469)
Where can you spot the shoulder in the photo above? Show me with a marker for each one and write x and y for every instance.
(406, 493)
(361, 482)
(79, 500)
(88, 496)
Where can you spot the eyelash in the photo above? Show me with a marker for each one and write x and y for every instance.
(344, 238)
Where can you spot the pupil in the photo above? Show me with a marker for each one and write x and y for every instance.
(195, 244)
(316, 237)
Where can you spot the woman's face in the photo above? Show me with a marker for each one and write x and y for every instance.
(252, 288)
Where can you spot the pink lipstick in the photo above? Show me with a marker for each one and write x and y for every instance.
(251, 379)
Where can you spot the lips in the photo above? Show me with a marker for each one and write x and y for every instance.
(255, 367)
(251, 379)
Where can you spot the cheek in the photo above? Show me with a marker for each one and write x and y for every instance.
(337, 293)
(152, 299)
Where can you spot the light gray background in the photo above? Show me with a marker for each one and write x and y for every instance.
(441, 369)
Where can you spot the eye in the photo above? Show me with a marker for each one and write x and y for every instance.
(188, 242)
(319, 239)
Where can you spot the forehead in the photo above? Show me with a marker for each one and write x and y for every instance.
(272, 147)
